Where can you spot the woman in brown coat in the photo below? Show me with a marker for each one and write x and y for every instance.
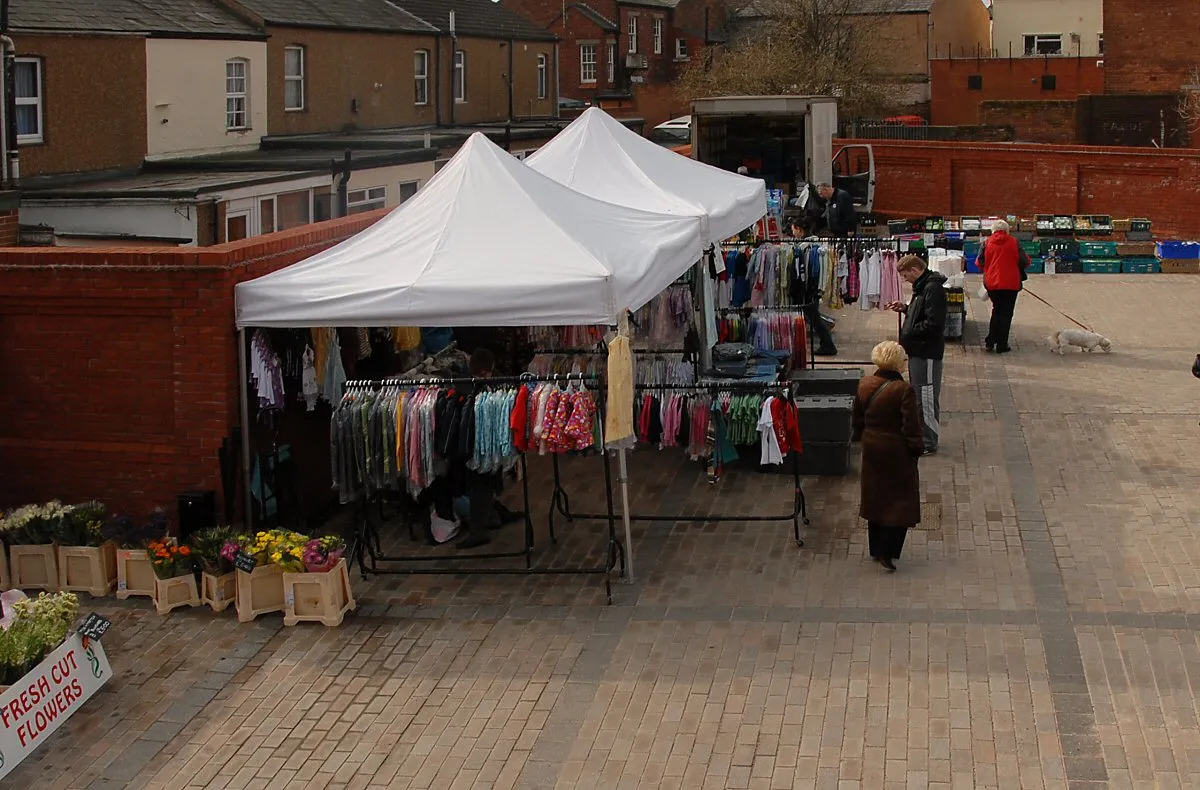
(888, 423)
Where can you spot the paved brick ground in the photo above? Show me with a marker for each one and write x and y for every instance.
(1042, 631)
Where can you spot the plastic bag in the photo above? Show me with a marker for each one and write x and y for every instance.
(983, 293)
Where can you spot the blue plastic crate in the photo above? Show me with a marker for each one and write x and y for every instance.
(1101, 265)
(1179, 250)
(1036, 266)
(973, 264)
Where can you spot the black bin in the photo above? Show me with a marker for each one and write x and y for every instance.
(197, 511)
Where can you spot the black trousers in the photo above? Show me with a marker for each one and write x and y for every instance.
(481, 491)
(1003, 304)
(812, 314)
(885, 542)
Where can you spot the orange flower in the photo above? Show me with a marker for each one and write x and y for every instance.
(185, 550)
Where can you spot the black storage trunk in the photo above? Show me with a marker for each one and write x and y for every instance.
(825, 459)
(824, 418)
(829, 381)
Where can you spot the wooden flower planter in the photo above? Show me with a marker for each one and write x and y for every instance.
(89, 569)
(34, 567)
(172, 593)
(218, 592)
(259, 592)
(318, 597)
(135, 575)
(5, 577)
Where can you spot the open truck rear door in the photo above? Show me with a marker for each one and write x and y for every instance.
(854, 171)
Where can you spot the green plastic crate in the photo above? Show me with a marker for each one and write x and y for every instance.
(970, 248)
(1098, 249)
(1036, 266)
(1032, 248)
(1101, 265)
(1061, 246)
(1140, 266)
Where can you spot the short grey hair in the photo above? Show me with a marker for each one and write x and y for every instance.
(1001, 225)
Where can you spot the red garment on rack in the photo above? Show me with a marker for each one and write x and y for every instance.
(519, 421)
(787, 426)
(800, 344)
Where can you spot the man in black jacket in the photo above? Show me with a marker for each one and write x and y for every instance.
(841, 217)
(924, 339)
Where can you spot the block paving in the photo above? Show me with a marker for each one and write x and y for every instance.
(1043, 630)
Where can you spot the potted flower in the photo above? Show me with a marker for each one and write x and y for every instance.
(260, 589)
(174, 575)
(29, 533)
(322, 592)
(135, 576)
(31, 628)
(87, 561)
(218, 581)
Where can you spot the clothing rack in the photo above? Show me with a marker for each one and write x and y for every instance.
(366, 548)
(561, 503)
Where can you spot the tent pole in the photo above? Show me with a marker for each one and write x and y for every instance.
(623, 479)
(244, 388)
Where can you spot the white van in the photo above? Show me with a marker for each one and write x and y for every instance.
(672, 133)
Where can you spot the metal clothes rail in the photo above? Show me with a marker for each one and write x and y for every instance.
(366, 548)
(561, 502)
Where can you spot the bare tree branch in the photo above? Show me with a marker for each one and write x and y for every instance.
(821, 47)
(1189, 102)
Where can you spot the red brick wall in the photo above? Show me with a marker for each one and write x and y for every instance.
(10, 231)
(120, 366)
(1149, 47)
(1005, 79)
(949, 179)
(1033, 121)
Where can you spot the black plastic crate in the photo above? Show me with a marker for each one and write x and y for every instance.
(826, 459)
(832, 381)
(1068, 266)
(824, 418)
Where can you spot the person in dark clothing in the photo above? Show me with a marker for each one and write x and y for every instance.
(841, 217)
(812, 310)
(923, 337)
(485, 513)
(1003, 264)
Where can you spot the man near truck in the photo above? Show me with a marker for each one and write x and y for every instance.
(841, 216)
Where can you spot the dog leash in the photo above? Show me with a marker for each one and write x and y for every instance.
(1060, 312)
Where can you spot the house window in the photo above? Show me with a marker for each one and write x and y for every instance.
(587, 62)
(1100, 43)
(1043, 44)
(408, 189)
(237, 114)
(543, 83)
(293, 78)
(612, 63)
(293, 209)
(28, 78)
(1049, 82)
(632, 35)
(237, 226)
(360, 200)
(681, 49)
(460, 76)
(266, 215)
(421, 76)
(974, 82)
(658, 35)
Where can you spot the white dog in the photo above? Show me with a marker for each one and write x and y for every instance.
(1088, 341)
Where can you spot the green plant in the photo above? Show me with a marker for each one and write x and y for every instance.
(33, 524)
(34, 627)
(207, 545)
(82, 525)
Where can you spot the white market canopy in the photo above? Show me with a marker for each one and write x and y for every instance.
(601, 158)
(487, 242)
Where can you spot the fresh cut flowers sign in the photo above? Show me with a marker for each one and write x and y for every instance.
(47, 696)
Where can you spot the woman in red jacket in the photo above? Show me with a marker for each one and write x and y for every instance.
(1003, 263)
